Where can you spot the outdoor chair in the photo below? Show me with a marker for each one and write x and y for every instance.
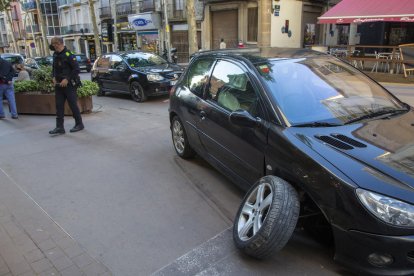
(407, 58)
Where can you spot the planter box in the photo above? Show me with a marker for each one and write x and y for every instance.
(32, 103)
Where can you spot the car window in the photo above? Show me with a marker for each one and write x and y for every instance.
(14, 59)
(231, 88)
(103, 62)
(142, 59)
(197, 75)
(81, 58)
(116, 62)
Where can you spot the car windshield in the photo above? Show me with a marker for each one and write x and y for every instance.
(44, 60)
(14, 59)
(323, 91)
(81, 58)
(143, 59)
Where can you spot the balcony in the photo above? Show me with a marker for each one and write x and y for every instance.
(28, 6)
(105, 12)
(148, 6)
(125, 9)
(4, 44)
(63, 3)
(52, 31)
(76, 29)
(177, 15)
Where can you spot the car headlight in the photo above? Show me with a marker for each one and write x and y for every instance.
(154, 77)
(388, 209)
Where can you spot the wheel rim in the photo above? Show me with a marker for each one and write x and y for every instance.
(178, 137)
(136, 93)
(254, 211)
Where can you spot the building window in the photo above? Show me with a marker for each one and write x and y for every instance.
(179, 5)
(252, 21)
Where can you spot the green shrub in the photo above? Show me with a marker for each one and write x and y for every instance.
(26, 86)
(43, 76)
(88, 88)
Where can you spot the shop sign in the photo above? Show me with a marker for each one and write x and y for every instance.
(145, 21)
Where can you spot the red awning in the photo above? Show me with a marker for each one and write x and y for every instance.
(360, 11)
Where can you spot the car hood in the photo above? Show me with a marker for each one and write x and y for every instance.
(383, 149)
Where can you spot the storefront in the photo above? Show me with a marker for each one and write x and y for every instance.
(147, 27)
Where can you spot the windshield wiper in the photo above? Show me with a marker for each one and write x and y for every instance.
(317, 124)
(377, 114)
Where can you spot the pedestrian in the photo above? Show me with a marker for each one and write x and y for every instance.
(23, 74)
(223, 44)
(6, 88)
(241, 44)
(65, 73)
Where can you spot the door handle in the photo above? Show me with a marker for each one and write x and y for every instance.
(202, 115)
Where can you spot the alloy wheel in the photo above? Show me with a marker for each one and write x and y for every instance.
(178, 137)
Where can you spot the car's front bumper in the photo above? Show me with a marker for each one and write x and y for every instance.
(353, 248)
(158, 88)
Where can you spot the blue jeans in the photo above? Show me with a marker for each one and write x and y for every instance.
(8, 91)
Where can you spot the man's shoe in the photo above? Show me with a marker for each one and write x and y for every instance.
(15, 117)
(56, 131)
(77, 128)
(2, 117)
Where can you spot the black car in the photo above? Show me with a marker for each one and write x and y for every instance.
(311, 138)
(140, 74)
(84, 62)
(13, 58)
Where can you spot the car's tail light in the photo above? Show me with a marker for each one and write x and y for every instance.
(88, 61)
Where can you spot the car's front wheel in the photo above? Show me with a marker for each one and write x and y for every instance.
(266, 218)
(180, 141)
(137, 92)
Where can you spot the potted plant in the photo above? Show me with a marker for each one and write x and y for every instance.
(37, 96)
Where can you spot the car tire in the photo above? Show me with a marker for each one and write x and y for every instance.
(180, 140)
(263, 227)
(137, 93)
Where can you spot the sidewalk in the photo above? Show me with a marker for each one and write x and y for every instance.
(31, 243)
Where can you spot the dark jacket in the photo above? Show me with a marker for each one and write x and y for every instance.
(65, 66)
(6, 71)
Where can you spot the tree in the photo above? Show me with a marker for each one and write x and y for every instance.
(42, 29)
(6, 8)
(95, 29)
(192, 28)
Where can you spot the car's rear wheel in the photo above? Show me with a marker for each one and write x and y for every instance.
(137, 92)
(266, 218)
(180, 141)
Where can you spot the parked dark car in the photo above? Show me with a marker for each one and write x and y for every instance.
(84, 62)
(311, 138)
(36, 62)
(13, 58)
(140, 74)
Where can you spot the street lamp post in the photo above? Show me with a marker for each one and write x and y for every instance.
(167, 31)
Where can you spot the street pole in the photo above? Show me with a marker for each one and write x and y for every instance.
(98, 51)
(42, 29)
(167, 31)
(114, 32)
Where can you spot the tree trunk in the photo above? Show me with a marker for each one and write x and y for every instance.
(114, 32)
(42, 29)
(192, 27)
(95, 29)
(16, 50)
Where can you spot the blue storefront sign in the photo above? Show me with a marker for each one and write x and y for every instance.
(145, 21)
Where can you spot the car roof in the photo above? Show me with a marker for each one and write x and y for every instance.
(256, 55)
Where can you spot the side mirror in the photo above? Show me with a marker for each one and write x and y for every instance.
(244, 119)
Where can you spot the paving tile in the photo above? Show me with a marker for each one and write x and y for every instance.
(50, 272)
(54, 253)
(107, 273)
(72, 271)
(39, 235)
(65, 242)
(19, 268)
(24, 243)
(83, 260)
(12, 229)
(4, 269)
(62, 263)
(34, 255)
(47, 244)
(94, 269)
(73, 251)
(41, 265)
(30, 273)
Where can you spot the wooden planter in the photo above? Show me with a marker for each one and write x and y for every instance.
(32, 103)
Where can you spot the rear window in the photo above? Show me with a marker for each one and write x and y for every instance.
(103, 62)
(81, 58)
(14, 60)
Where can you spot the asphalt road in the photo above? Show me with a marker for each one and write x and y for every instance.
(119, 189)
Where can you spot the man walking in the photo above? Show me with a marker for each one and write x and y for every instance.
(65, 74)
(6, 88)
(223, 44)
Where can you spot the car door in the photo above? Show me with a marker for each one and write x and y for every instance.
(102, 71)
(239, 149)
(190, 91)
(119, 74)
